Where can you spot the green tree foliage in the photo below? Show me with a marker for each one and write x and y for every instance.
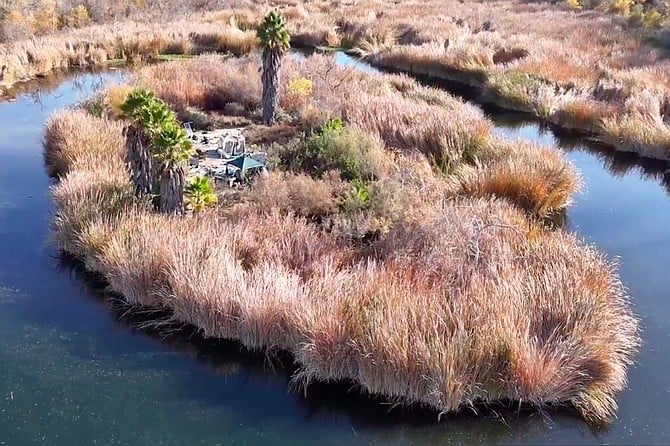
(143, 123)
(199, 194)
(154, 134)
(172, 150)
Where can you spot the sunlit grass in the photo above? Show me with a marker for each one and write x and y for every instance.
(427, 285)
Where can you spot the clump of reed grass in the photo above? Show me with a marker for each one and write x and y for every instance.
(446, 135)
(298, 194)
(536, 179)
(205, 83)
(132, 41)
(73, 138)
(90, 202)
(639, 133)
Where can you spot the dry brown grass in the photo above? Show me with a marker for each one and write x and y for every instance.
(67, 143)
(403, 115)
(298, 194)
(502, 316)
(456, 301)
(132, 41)
(570, 54)
(205, 82)
(534, 178)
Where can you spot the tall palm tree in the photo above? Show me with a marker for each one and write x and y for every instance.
(275, 40)
(172, 150)
(147, 114)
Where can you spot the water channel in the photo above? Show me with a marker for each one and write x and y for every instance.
(73, 374)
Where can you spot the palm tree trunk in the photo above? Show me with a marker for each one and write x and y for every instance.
(271, 66)
(138, 156)
(172, 191)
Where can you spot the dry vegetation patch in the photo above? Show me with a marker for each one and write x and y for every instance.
(547, 59)
(404, 256)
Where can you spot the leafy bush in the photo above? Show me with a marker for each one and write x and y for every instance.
(334, 125)
(574, 4)
(332, 147)
(199, 194)
(298, 93)
(77, 17)
(622, 7)
(652, 19)
(358, 197)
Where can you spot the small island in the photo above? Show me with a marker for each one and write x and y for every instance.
(384, 234)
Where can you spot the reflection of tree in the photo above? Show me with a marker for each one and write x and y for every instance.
(616, 162)
(80, 81)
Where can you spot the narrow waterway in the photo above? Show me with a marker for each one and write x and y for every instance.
(72, 374)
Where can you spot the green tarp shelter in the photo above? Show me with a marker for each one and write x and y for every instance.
(245, 163)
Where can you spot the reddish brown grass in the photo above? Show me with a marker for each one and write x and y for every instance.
(456, 302)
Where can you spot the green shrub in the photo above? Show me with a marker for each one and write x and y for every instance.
(358, 197)
(332, 147)
(334, 125)
(199, 194)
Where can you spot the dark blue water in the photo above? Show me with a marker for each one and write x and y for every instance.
(72, 374)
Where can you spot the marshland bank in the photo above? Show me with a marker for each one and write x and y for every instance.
(602, 72)
(55, 336)
(348, 261)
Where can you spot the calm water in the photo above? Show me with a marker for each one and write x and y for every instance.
(72, 374)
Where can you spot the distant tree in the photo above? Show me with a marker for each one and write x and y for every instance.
(275, 40)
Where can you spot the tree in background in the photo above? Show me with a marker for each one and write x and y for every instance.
(275, 40)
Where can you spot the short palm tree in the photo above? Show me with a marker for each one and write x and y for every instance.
(147, 115)
(275, 40)
(172, 150)
(199, 194)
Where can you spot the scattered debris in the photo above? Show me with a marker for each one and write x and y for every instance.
(222, 155)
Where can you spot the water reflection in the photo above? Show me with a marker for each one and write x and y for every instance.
(524, 125)
(36, 91)
(616, 163)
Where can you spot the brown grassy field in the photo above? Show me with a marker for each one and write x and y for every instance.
(461, 297)
(587, 70)
(398, 113)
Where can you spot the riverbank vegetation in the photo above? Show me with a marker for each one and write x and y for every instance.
(599, 67)
(397, 242)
